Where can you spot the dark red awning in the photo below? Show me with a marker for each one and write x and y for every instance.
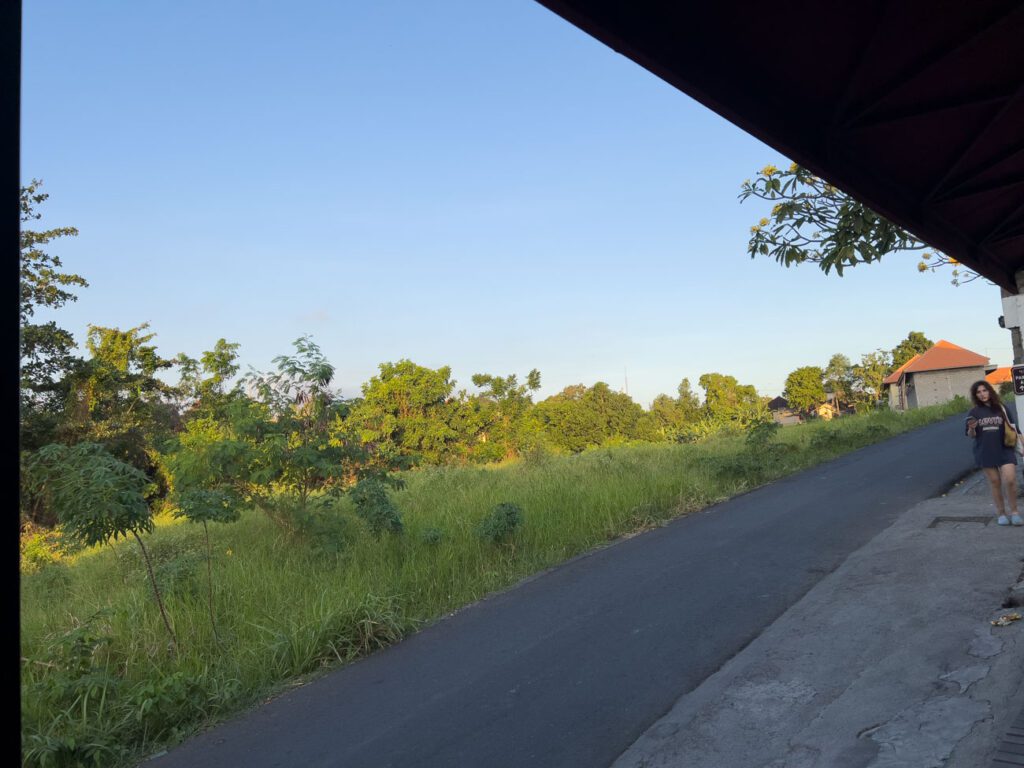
(916, 108)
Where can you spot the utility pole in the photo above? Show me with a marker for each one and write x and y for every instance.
(1013, 317)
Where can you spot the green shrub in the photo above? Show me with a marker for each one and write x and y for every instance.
(762, 435)
(319, 522)
(72, 683)
(501, 523)
(40, 547)
(374, 506)
(178, 577)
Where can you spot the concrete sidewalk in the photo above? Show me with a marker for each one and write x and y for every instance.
(890, 660)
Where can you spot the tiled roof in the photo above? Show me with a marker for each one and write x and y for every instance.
(894, 377)
(999, 376)
(944, 355)
(941, 356)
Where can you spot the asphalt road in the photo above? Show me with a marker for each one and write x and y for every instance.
(569, 668)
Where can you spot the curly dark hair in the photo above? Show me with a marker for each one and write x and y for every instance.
(993, 397)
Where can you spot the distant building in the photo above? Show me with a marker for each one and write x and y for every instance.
(999, 376)
(935, 376)
(827, 411)
(782, 413)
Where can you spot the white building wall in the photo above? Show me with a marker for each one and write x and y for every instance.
(935, 387)
(894, 397)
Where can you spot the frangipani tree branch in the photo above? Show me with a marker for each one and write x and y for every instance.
(814, 221)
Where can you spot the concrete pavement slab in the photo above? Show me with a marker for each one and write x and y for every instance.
(891, 660)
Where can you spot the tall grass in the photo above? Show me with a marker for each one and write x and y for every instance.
(101, 687)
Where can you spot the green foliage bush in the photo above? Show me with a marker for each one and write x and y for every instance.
(374, 506)
(72, 682)
(501, 523)
(96, 496)
(175, 561)
(40, 547)
(318, 523)
(179, 577)
(81, 712)
(762, 435)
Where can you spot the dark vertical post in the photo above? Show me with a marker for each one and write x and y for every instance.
(1015, 336)
(10, 219)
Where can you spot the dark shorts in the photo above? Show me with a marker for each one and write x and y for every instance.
(1006, 456)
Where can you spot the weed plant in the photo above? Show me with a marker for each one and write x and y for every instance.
(100, 687)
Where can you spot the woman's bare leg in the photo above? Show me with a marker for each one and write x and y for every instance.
(995, 486)
(1008, 472)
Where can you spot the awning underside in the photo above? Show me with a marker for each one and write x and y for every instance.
(915, 108)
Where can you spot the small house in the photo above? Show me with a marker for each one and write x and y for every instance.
(827, 411)
(782, 413)
(935, 376)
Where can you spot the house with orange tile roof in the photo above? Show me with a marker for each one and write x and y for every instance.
(999, 376)
(935, 376)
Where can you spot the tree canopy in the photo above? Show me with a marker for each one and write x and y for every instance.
(407, 411)
(726, 401)
(46, 351)
(838, 379)
(805, 389)
(916, 343)
(814, 221)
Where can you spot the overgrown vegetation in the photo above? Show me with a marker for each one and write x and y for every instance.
(278, 527)
(99, 687)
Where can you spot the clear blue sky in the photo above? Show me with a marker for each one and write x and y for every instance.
(471, 184)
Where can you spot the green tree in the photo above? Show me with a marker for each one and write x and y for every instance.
(567, 421)
(673, 417)
(729, 403)
(96, 498)
(916, 343)
(867, 379)
(804, 388)
(579, 417)
(620, 416)
(839, 379)
(203, 386)
(373, 504)
(209, 470)
(407, 414)
(298, 450)
(46, 351)
(117, 398)
(503, 407)
(813, 221)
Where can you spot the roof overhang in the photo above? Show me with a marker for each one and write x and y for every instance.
(916, 108)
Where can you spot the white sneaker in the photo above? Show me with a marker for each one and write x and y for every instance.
(1002, 520)
(1015, 520)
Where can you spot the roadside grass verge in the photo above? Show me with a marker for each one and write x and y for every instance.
(100, 687)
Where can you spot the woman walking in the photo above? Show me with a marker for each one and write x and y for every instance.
(986, 424)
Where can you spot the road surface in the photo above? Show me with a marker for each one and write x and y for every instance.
(567, 669)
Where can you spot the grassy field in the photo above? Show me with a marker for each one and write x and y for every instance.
(99, 686)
